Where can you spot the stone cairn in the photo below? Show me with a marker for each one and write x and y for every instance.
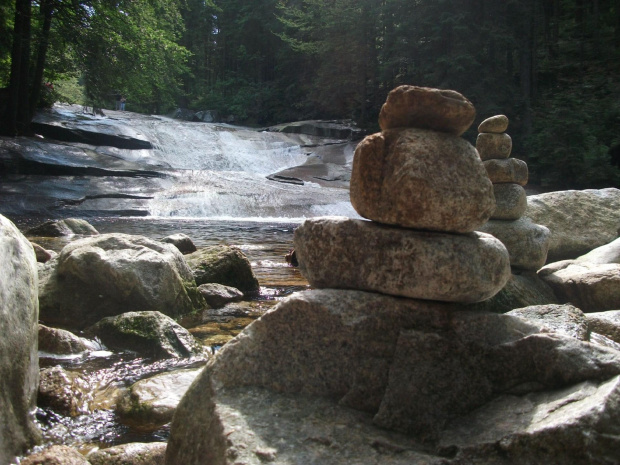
(426, 191)
(527, 243)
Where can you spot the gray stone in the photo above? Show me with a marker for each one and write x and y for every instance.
(562, 319)
(134, 453)
(111, 274)
(66, 227)
(527, 243)
(66, 392)
(223, 265)
(19, 370)
(181, 241)
(43, 256)
(491, 146)
(56, 455)
(421, 179)
(507, 170)
(151, 334)
(511, 201)
(150, 403)
(62, 342)
(605, 323)
(218, 295)
(495, 124)
(343, 253)
(427, 108)
(579, 221)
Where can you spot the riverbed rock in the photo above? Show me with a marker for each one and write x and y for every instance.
(111, 274)
(507, 170)
(344, 253)
(427, 108)
(66, 227)
(527, 243)
(218, 295)
(579, 221)
(134, 453)
(419, 368)
(495, 124)
(563, 319)
(19, 370)
(605, 323)
(62, 342)
(150, 403)
(43, 255)
(56, 455)
(65, 391)
(182, 242)
(151, 334)
(511, 201)
(491, 146)
(421, 179)
(225, 265)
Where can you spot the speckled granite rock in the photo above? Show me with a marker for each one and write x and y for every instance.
(56, 455)
(562, 319)
(605, 323)
(507, 170)
(511, 201)
(495, 124)
(427, 108)
(134, 453)
(491, 146)
(421, 179)
(339, 252)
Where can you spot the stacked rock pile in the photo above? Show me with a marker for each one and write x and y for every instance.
(527, 243)
(426, 191)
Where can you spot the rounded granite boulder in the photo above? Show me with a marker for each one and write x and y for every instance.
(495, 124)
(491, 145)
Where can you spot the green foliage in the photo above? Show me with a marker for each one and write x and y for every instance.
(70, 91)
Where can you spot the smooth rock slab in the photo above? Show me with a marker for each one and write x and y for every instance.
(491, 146)
(511, 201)
(507, 170)
(421, 179)
(495, 124)
(427, 108)
(337, 252)
(527, 243)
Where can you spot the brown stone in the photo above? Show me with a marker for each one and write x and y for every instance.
(495, 124)
(421, 179)
(338, 252)
(511, 201)
(493, 145)
(507, 170)
(427, 108)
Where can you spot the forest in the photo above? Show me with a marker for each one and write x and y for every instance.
(552, 66)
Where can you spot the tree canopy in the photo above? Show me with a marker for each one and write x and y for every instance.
(552, 66)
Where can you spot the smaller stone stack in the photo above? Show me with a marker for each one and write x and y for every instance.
(527, 243)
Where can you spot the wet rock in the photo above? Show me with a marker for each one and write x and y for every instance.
(218, 295)
(151, 334)
(495, 124)
(605, 323)
(421, 179)
(492, 146)
(66, 227)
(150, 403)
(19, 371)
(62, 342)
(64, 391)
(579, 221)
(43, 256)
(334, 129)
(182, 242)
(507, 170)
(56, 455)
(427, 108)
(135, 453)
(562, 319)
(527, 243)
(112, 273)
(511, 201)
(338, 252)
(225, 265)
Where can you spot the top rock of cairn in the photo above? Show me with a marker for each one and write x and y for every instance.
(427, 108)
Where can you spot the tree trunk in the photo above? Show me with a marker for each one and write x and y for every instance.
(37, 81)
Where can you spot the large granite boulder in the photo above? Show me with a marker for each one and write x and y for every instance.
(225, 265)
(419, 368)
(19, 313)
(111, 274)
(421, 179)
(66, 227)
(579, 221)
(151, 334)
(343, 253)
(562, 319)
(591, 282)
(427, 108)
